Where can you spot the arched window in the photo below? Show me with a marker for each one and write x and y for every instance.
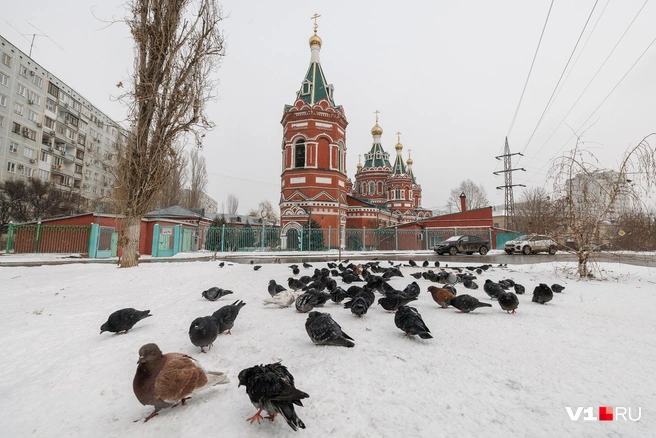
(362, 188)
(299, 154)
(397, 194)
(402, 194)
(380, 187)
(372, 188)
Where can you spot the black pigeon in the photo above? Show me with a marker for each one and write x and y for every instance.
(323, 330)
(557, 288)
(306, 265)
(479, 271)
(214, 293)
(256, 267)
(337, 295)
(519, 289)
(508, 301)
(307, 301)
(425, 264)
(506, 284)
(331, 265)
(203, 332)
(469, 284)
(542, 294)
(222, 264)
(466, 303)
(391, 302)
(437, 264)
(252, 261)
(227, 315)
(305, 279)
(417, 275)
(296, 271)
(123, 320)
(492, 289)
(295, 284)
(321, 297)
(271, 389)
(274, 288)
(293, 266)
(412, 290)
(409, 320)
(412, 263)
(358, 306)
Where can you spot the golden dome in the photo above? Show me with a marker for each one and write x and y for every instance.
(359, 166)
(376, 130)
(314, 39)
(398, 146)
(409, 161)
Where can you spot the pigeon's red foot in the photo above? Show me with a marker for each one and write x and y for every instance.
(460, 311)
(154, 414)
(255, 417)
(209, 347)
(513, 312)
(228, 333)
(271, 417)
(202, 350)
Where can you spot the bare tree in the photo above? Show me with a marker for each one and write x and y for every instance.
(592, 198)
(177, 46)
(535, 212)
(171, 193)
(476, 196)
(197, 178)
(265, 210)
(231, 204)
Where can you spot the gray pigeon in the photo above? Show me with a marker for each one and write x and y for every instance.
(274, 287)
(466, 303)
(295, 284)
(227, 315)
(492, 289)
(323, 330)
(519, 289)
(409, 320)
(307, 301)
(542, 294)
(557, 288)
(214, 293)
(508, 301)
(203, 332)
(123, 320)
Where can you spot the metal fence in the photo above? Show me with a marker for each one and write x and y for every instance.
(37, 238)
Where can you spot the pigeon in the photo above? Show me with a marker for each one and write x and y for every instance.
(508, 301)
(417, 275)
(409, 320)
(507, 283)
(203, 332)
(557, 288)
(425, 264)
(296, 270)
(281, 299)
(306, 301)
(306, 265)
(450, 288)
(214, 293)
(519, 289)
(391, 302)
(358, 305)
(469, 284)
(162, 380)
(295, 284)
(305, 279)
(227, 315)
(256, 267)
(323, 330)
(440, 295)
(437, 264)
(274, 287)
(466, 303)
(222, 264)
(123, 320)
(542, 294)
(252, 261)
(412, 263)
(492, 289)
(412, 290)
(271, 388)
(337, 295)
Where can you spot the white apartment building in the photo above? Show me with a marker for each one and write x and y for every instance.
(49, 131)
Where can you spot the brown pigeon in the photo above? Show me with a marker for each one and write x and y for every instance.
(440, 295)
(164, 380)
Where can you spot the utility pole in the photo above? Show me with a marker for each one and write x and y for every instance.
(508, 186)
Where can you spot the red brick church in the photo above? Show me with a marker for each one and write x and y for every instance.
(314, 183)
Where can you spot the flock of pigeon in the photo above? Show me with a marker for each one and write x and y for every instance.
(166, 380)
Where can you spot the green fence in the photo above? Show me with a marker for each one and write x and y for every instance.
(37, 238)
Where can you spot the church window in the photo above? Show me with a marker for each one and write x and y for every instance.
(306, 88)
(402, 194)
(380, 187)
(300, 154)
(378, 155)
(372, 188)
(397, 194)
(362, 188)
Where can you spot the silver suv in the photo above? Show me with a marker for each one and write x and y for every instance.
(531, 244)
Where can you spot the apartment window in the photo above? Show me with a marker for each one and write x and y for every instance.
(95, 176)
(22, 70)
(53, 89)
(36, 80)
(19, 108)
(95, 190)
(87, 189)
(29, 133)
(32, 116)
(29, 153)
(26, 171)
(13, 147)
(45, 156)
(51, 105)
(4, 79)
(16, 128)
(79, 154)
(34, 98)
(3, 100)
(49, 122)
(2, 121)
(56, 161)
(44, 175)
(11, 167)
(81, 138)
(20, 89)
(6, 59)
(78, 168)
(102, 192)
(87, 174)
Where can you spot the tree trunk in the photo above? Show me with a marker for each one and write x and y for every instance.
(583, 264)
(130, 243)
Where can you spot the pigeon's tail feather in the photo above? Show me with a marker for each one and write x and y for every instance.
(289, 414)
(482, 305)
(343, 342)
(425, 335)
(216, 378)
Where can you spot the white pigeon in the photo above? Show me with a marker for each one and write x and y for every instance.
(281, 299)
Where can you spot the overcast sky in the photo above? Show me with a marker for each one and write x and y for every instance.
(447, 74)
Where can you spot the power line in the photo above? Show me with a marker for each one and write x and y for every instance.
(561, 76)
(591, 80)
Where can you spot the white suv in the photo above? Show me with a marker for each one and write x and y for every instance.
(532, 244)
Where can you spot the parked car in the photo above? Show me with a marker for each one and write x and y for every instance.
(531, 244)
(468, 244)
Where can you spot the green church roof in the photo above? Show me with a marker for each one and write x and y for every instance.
(399, 166)
(315, 87)
(376, 157)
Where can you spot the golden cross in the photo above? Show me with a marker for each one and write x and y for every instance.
(376, 112)
(314, 17)
(398, 136)
(359, 157)
(409, 150)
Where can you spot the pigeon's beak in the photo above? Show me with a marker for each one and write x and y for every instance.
(141, 360)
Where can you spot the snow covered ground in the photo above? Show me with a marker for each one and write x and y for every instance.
(486, 373)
